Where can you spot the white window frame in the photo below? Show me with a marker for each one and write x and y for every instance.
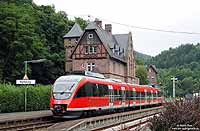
(90, 36)
(91, 49)
(90, 66)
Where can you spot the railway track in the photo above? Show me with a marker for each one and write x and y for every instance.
(27, 124)
(129, 119)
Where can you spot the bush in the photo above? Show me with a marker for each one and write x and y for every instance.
(178, 115)
(12, 97)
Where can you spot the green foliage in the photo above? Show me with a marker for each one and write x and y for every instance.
(29, 32)
(182, 62)
(81, 22)
(12, 98)
(141, 56)
(141, 73)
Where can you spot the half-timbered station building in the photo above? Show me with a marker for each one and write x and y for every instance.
(98, 50)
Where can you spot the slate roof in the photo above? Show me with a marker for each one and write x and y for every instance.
(76, 31)
(154, 68)
(119, 41)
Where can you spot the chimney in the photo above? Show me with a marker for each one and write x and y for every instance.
(98, 22)
(108, 28)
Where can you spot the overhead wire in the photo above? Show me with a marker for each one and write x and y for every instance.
(145, 28)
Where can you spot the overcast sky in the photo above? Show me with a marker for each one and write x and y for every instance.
(175, 15)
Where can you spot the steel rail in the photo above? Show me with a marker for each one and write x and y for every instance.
(103, 122)
(27, 124)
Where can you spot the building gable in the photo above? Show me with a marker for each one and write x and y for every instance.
(100, 50)
(89, 46)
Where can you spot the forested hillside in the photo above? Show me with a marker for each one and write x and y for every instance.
(141, 56)
(182, 62)
(29, 32)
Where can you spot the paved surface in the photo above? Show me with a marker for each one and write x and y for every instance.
(24, 115)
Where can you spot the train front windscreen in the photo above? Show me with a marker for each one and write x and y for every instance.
(64, 86)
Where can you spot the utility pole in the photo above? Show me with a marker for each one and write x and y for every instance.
(174, 79)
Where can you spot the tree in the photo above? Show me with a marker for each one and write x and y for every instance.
(141, 73)
(29, 32)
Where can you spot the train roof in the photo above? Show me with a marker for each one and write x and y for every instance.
(77, 78)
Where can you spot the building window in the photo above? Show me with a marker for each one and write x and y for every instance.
(90, 66)
(90, 49)
(94, 49)
(114, 66)
(86, 49)
(90, 36)
(90, 39)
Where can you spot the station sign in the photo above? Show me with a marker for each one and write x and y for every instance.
(25, 82)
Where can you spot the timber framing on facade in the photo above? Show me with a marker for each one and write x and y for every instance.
(98, 50)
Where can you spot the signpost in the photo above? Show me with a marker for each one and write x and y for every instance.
(26, 81)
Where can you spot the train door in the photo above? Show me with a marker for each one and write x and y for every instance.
(156, 100)
(151, 96)
(134, 96)
(123, 93)
(140, 100)
(111, 96)
(145, 96)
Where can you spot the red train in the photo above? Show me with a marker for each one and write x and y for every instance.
(74, 95)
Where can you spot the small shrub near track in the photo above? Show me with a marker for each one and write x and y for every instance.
(178, 115)
(12, 97)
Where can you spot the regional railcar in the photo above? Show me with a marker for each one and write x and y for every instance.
(74, 95)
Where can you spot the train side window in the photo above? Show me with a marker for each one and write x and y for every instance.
(81, 92)
(103, 89)
(131, 94)
(88, 89)
(137, 95)
(95, 89)
(120, 94)
(159, 94)
(127, 94)
(116, 94)
(100, 88)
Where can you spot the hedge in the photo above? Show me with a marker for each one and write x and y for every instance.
(12, 97)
